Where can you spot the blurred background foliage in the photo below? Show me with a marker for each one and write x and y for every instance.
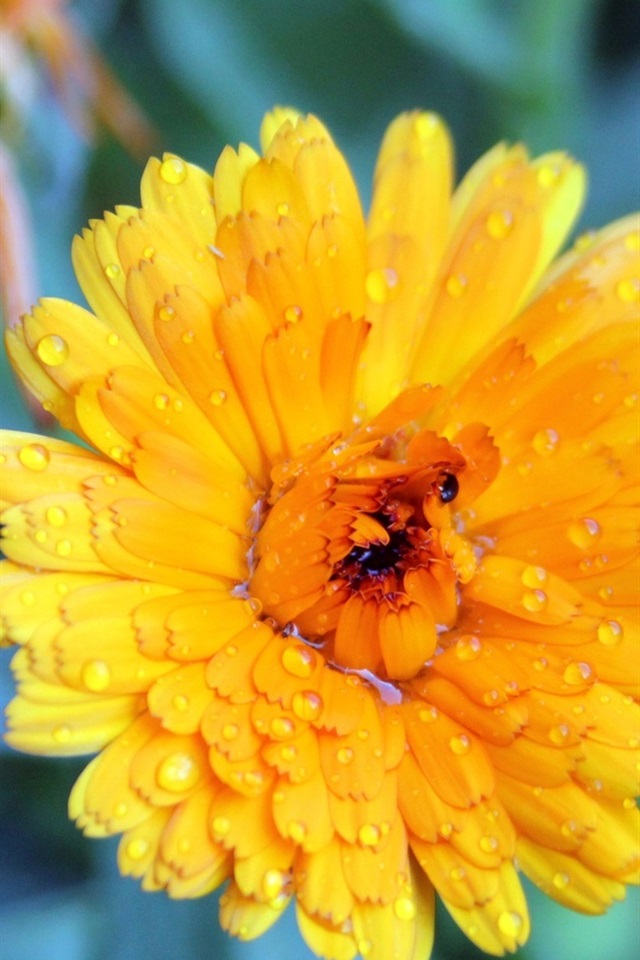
(554, 73)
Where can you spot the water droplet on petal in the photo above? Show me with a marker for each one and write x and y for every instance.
(468, 647)
(489, 844)
(272, 883)
(178, 772)
(381, 285)
(112, 270)
(281, 727)
(534, 577)
(404, 908)
(34, 456)
(345, 755)
(230, 731)
(221, 826)
(52, 350)
(61, 734)
(369, 834)
(218, 397)
(499, 224)
(560, 734)
(56, 516)
(610, 633)
(545, 442)
(173, 170)
(534, 600)
(425, 125)
(584, 533)
(299, 661)
(297, 831)
(561, 880)
(510, 923)
(180, 702)
(96, 675)
(166, 314)
(458, 873)
(137, 848)
(577, 673)
(628, 290)
(460, 744)
(456, 285)
(161, 401)
(64, 548)
(307, 705)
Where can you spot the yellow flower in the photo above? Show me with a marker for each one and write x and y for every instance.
(344, 592)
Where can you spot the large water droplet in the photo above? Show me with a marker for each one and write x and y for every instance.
(499, 224)
(299, 661)
(137, 848)
(307, 705)
(510, 923)
(468, 647)
(178, 772)
(584, 533)
(545, 442)
(456, 285)
(173, 170)
(52, 350)
(610, 633)
(272, 883)
(577, 673)
(534, 600)
(369, 835)
(460, 745)
(56, 516)
(534, 577)
(217, 397)
(404, 908)
(628, 290)
(381, 285)
(96, 675)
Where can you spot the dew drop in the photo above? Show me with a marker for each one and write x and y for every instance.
(178, 772)
(230, 731)
(28, 598)
(364, 947)
(253, 606)
(468, 647)
(112, 270)
(456, 285)
(34, 457)
(221, 826)
(64, 548)
(577, 673)
(489, 844)
(458, 873)
(217, 397)
(345, 755)
(292, 314)
(297, 831)
(425, 125)
(404, 908)
(381, 285)
(499, 224)
(173, 170)
(148, 252)
(549, 174)
(460, 745)
(272, 883)
(52, 350)
(299, 661)
(610, 633)
(559, 734)
(137, 849)
(180, 702)
(534, 600)
(584, 533)
(61, 734)
(445, 830)
(283, 209)
(534, 577)
(281, 727)
(545, 442)
(166, 314)
(96, 675)
(628, 290)
(428, 714)
(56, 516)
(510, 923)
(369, 834)
(307, 705)
(161, 401)
(561, 880)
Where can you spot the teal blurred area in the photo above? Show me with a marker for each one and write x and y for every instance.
(553, 74)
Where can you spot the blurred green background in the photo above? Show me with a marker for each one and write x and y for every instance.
(554, 73)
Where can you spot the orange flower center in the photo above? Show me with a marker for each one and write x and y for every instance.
(359, 549)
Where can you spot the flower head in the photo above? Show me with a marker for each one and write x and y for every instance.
(344, 589)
